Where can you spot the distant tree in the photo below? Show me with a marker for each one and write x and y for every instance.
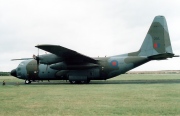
(4, 73)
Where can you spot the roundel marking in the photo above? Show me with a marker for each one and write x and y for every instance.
(114, 63)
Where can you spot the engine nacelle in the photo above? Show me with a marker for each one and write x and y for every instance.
(49, 59)
(59, 66)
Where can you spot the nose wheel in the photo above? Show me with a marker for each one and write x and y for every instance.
(27, 81)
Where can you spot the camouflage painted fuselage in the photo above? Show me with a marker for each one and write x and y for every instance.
(108, 67)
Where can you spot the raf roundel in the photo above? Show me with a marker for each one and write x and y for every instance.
(114, 63)
(156, 45)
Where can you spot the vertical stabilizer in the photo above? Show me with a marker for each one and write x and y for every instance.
(157, 40)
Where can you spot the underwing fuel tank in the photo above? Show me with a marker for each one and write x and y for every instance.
(64, 66)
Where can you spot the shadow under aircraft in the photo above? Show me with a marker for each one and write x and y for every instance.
(66, 64)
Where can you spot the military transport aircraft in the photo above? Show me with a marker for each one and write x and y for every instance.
(66, 64)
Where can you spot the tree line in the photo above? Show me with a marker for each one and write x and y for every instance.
(4, 73)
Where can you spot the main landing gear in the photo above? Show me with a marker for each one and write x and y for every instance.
(79, 82)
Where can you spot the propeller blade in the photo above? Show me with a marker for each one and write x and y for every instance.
(21, 59)
(37, 59)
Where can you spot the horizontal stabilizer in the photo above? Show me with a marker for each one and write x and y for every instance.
(162, 56)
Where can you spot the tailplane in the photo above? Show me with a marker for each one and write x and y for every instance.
(157, 45)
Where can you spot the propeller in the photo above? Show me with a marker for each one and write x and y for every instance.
(34, 57)
(37, 59)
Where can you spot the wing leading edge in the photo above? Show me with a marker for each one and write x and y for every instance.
(68, 55)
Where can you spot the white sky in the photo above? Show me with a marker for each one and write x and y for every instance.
(91, 27)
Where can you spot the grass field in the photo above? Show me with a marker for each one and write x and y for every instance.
(123, 95)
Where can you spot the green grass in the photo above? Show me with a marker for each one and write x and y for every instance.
(124, 95)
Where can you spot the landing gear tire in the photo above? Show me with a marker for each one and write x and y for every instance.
(27, 81)
(85, 82)
(72, 82)
(88, 81)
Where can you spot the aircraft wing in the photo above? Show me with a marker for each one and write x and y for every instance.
(68, 55)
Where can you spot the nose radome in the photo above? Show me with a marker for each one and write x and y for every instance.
(13, 73)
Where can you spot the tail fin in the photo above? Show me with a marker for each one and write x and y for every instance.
(157, 43)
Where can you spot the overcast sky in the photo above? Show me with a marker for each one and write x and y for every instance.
(91, 27)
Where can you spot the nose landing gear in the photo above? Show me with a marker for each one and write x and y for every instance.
(27, 82)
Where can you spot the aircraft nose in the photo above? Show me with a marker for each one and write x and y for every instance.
(13, 73)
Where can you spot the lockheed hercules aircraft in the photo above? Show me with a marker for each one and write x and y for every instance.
(66, 64)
